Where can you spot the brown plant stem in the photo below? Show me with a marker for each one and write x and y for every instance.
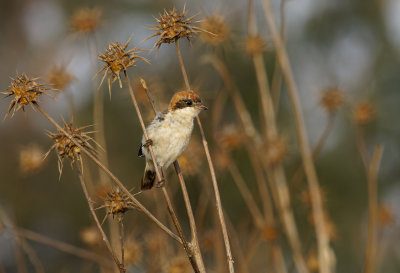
(165, 193)
(96, 219)
(112, 176)
(212, 171)
(325, 253)
(195, 241)
(121, 237)
(372, 240)
(64, 247)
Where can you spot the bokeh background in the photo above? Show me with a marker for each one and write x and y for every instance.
(350, 45)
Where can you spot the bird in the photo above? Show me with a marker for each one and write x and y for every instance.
(169, 134)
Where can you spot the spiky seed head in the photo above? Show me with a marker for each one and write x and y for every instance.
(255, 45)
(190, 160)
(59, 77)
(230, 137)
(364, 113)
(172, 25)
(86, 20)
(91, 236)
(24, 91)
(332, 99)
(216, 30)
(31, 158)
(66, 148)
(117, 59)
(276, 150)
(117, 203)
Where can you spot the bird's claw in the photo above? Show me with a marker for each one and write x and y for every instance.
(148, 143)
(160, 183)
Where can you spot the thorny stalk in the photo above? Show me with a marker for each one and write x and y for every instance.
(165, 193)
(372, 172)
(212, 171)
(192, 223)
(96, 219)
(325, 253)
(112, 176)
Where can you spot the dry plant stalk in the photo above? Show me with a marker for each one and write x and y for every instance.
(325, 253)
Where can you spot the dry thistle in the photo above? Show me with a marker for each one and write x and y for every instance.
(172, 26)
(216, 30)
(255, 45)
(86, 20)
(117, 59)
(59, 77)
(117, 203)
(364, 113)
(64, 147)
(31, 158)
(332, 99)
(25, 90)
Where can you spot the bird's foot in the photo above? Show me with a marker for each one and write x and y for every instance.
(160, 183)
(148, 143)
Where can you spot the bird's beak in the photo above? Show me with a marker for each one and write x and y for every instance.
(202, 106)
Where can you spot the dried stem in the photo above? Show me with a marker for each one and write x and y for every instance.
(325, 253)
(64, 247)
(96, 219)
(212, 171)
(112, 176)
(121, 237)
(372, 172)
(195, 241)
(165, 193)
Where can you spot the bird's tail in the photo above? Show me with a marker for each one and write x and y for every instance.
(148, 178)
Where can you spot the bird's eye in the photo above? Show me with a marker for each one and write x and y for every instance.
(188, 102)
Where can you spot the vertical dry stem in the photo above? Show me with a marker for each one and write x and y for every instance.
(325, 259)
(372, 172)
(212, 171)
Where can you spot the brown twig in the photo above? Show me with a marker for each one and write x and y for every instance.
(96, 219)
(325, 252)
(121, 237)
(111, 175)
(372, 172)
(212, 171)
(165, 193)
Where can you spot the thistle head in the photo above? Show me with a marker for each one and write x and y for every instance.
(364, 113)
(172, 25)
(59, 77)
(255, 45)
(66, 148)
(117, 59)
(24, 91)
(332, 99)
(86, 20)
(216, 30)
(117, 203)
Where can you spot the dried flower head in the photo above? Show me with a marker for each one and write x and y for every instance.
(332, 99)
(270, 233)
(59, 77)
(255, 45)
(117, 203)
(66, 148)
(31, 158)
(276, 150)
(91, 236)
(172, 26)
(385, 216)
(312, 261)
(222, 159)
(117, 59)
(133, 251)
(364, 113)
(86, 20)
(216, 30)
(190, 160)
(230, 137)
(25, 90)
(178, 264)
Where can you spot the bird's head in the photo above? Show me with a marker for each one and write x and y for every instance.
(187, 103)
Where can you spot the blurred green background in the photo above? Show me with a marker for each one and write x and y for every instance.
(353, 45)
